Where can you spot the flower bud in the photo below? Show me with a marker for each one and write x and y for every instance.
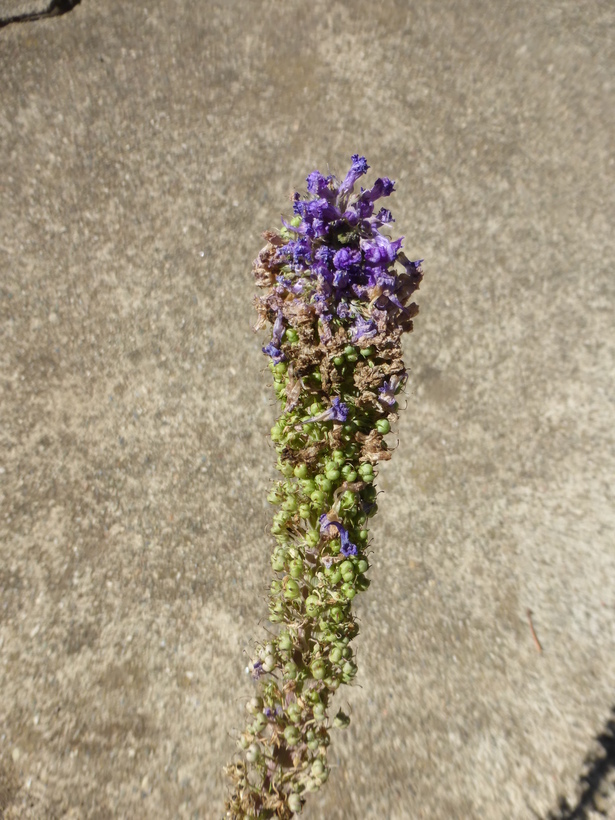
(292, 735)
(291, 589)
(290, 670)
(318, 668)
(284, 641)
(253, 753)
(319, 712)
(294, 712)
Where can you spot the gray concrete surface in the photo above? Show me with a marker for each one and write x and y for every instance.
(143, 150)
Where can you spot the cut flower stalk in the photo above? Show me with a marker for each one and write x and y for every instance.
(337, 295)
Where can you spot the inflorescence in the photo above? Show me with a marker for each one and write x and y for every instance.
(337, 294)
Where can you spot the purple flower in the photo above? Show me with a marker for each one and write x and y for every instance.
(319, 185)
(357, 169)
(381, 187)
(363, 329)
(347, 548)
(384, 216)
(379, 250)
(346, 258)
(389, 388)
(337, 412)
(273, 348)
(276, 354)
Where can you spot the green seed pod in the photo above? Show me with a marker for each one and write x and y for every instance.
(335, 546)
(332, 474)
(294, 803)
(304, 511)
(347, 468)
(294, 712)
(286, 468)
(312, 538)
(313, 744)
(292, 735)
(276, 587)
(318, 497)
(352, 476)
(319, 712)
(280, 368)
(335, 655)
(296, 568)
(337, 614)
(269, 663)
(347, 500)
(276, 618)
(301, 471)
(349, 591)
(291, 589)
(290, 670)
(284, 641)
(318, 768)
(366, 468)
(253, 753)
(243, 742)
(291, 336)
(281, 517)
(349, 669)
(318, 668)
(290, 504)
(362, 565)
(308, 486)
(259, 723)
(363, 535)
(338, 361)
(368, 351)
(312, 605)
(347, 567)
(383, 426)
(338, 456)
(274, 497)
(335, 577)
(326, 486)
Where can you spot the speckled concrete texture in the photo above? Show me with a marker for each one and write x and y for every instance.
(143, 151)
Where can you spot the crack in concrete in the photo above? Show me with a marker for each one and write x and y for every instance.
(54, 9)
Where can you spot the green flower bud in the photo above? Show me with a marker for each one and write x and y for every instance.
(318, 668)
(335, 577)
(347, 570)
(335, 655)
(318, 497)
(319, 712)
(312, 538)
(292, 735)
(308, 486)
(290, 670)
(349, 591)
(259, 723)
(294, 712)
(349, 669)
(301, 471)
(312, 605)
(291, 589)
(285, 642)
(383, 426)
(289, 504)
(296, 568)
(253, 753)
(318, 768)
(337, 614)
